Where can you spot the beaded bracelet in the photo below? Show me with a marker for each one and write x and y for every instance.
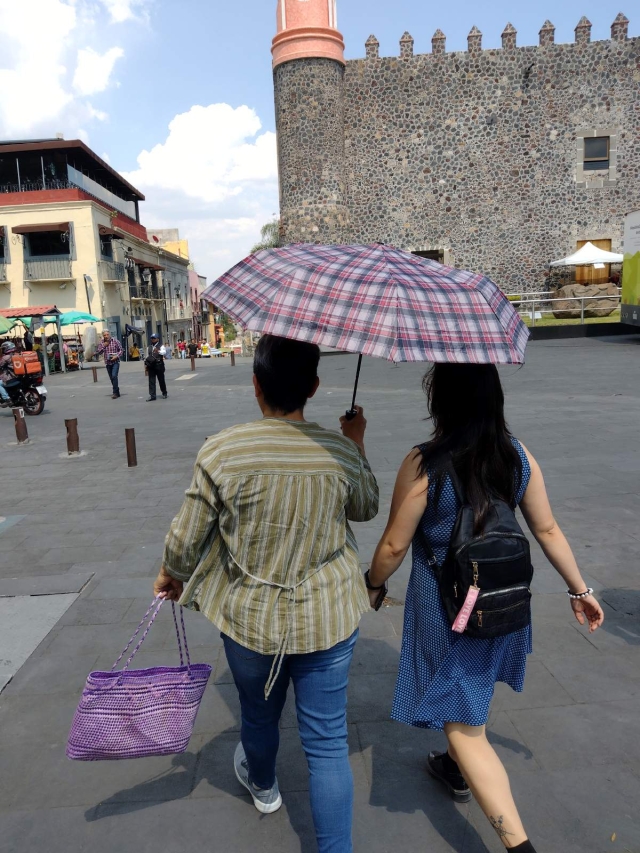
(588, 591)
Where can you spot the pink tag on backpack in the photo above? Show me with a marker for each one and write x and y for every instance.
(466, 610)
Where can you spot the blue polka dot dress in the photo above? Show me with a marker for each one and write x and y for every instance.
(446, 677)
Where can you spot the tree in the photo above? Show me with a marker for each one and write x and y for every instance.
(269, 236)
(228, 327)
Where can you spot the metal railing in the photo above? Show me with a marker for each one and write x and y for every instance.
(47, 269)
(144, 291)
(545, 306)
(34, 186)
(113, 271)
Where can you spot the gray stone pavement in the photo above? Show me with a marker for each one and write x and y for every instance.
(91, 530)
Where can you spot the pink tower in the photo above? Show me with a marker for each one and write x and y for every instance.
(307, 29)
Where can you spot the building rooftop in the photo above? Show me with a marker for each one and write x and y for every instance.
(77, 155)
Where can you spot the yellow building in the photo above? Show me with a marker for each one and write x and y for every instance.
(70, 236)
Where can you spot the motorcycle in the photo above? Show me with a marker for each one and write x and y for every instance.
(27, 392)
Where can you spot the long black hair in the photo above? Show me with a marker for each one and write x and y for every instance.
(466, 404)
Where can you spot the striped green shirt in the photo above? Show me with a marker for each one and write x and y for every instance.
(263, 540)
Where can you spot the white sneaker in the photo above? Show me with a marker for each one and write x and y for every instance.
(266, 800)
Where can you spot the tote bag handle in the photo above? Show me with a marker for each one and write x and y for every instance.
(157, 604)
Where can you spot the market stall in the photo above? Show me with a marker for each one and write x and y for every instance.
(45, 314)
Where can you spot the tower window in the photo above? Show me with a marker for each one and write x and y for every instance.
(596, 153)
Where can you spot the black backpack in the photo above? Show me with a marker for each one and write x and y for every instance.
(497, 562)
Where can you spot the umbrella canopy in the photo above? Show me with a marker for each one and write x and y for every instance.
(588, 254)
(6, 325)
(73, 317)
(373, 300)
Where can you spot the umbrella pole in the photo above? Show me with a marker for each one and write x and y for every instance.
(350, 415)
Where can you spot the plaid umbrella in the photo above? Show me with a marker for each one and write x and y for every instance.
(373, 300)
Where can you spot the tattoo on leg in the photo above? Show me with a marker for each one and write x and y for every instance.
(498, 825)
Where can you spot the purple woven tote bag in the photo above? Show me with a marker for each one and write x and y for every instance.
(141, 712)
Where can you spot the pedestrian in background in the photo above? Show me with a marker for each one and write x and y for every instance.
(111, 349)
(192, 348)
(154, 363)
(265, 548)
(446, 679)
(182, 349)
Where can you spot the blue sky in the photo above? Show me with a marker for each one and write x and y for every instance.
(129, 77)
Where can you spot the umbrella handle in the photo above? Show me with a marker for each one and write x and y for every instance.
(351, 413)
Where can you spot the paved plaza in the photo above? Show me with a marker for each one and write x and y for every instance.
(80, 542)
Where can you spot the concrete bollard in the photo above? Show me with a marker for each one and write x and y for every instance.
(193, 363)
(130, 439)
(22, 433)
(94, 370)
(73, 439)
(233, 359)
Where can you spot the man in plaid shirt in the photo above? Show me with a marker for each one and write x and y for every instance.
(112, 351)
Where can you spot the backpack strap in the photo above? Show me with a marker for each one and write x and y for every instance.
(455, 482)
(432, 560)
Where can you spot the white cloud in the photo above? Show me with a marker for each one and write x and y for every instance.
(49, 66)
(93, 70)
(124, 10)
(32, 46)
(214, 177)
(210, 153)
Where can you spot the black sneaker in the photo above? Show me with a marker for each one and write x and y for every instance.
(150, 399)
(441, 766)
(164, 396)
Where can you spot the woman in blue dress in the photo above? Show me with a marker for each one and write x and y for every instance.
(446, 680)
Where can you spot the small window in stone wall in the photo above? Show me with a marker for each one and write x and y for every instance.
(431, 254)
(596, 153)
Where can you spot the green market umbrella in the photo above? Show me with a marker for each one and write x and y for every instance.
(73, 317)
(6, 325)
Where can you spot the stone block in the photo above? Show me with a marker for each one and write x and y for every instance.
(571, 308)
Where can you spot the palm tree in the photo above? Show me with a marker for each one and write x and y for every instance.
(269, 236)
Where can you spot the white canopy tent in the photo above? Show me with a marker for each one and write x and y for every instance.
(588, 255)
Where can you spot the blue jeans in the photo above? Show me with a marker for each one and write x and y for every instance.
(113, 368)
(4, 395)
(320, 684)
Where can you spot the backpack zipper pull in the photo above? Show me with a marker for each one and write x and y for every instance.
(455, 589)
(476, 574)
(479, 614)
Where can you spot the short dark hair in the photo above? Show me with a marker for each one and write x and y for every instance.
(286, 371)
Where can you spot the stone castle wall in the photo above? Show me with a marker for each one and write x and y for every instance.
(477, 154)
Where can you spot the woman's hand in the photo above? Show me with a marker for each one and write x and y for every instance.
(374, 594)
(167, 587)
(588, 607)
(355, 428)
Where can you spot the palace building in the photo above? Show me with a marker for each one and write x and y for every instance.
(497, 161)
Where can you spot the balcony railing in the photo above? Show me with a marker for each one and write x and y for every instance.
(47, 269)
(144, 291)
(34, 186)
(113, 271)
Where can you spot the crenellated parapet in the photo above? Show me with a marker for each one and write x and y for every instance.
(474, 40)
(438, 43)
(620, 28)
(547, 34)
(406, 46)
(619, 33)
